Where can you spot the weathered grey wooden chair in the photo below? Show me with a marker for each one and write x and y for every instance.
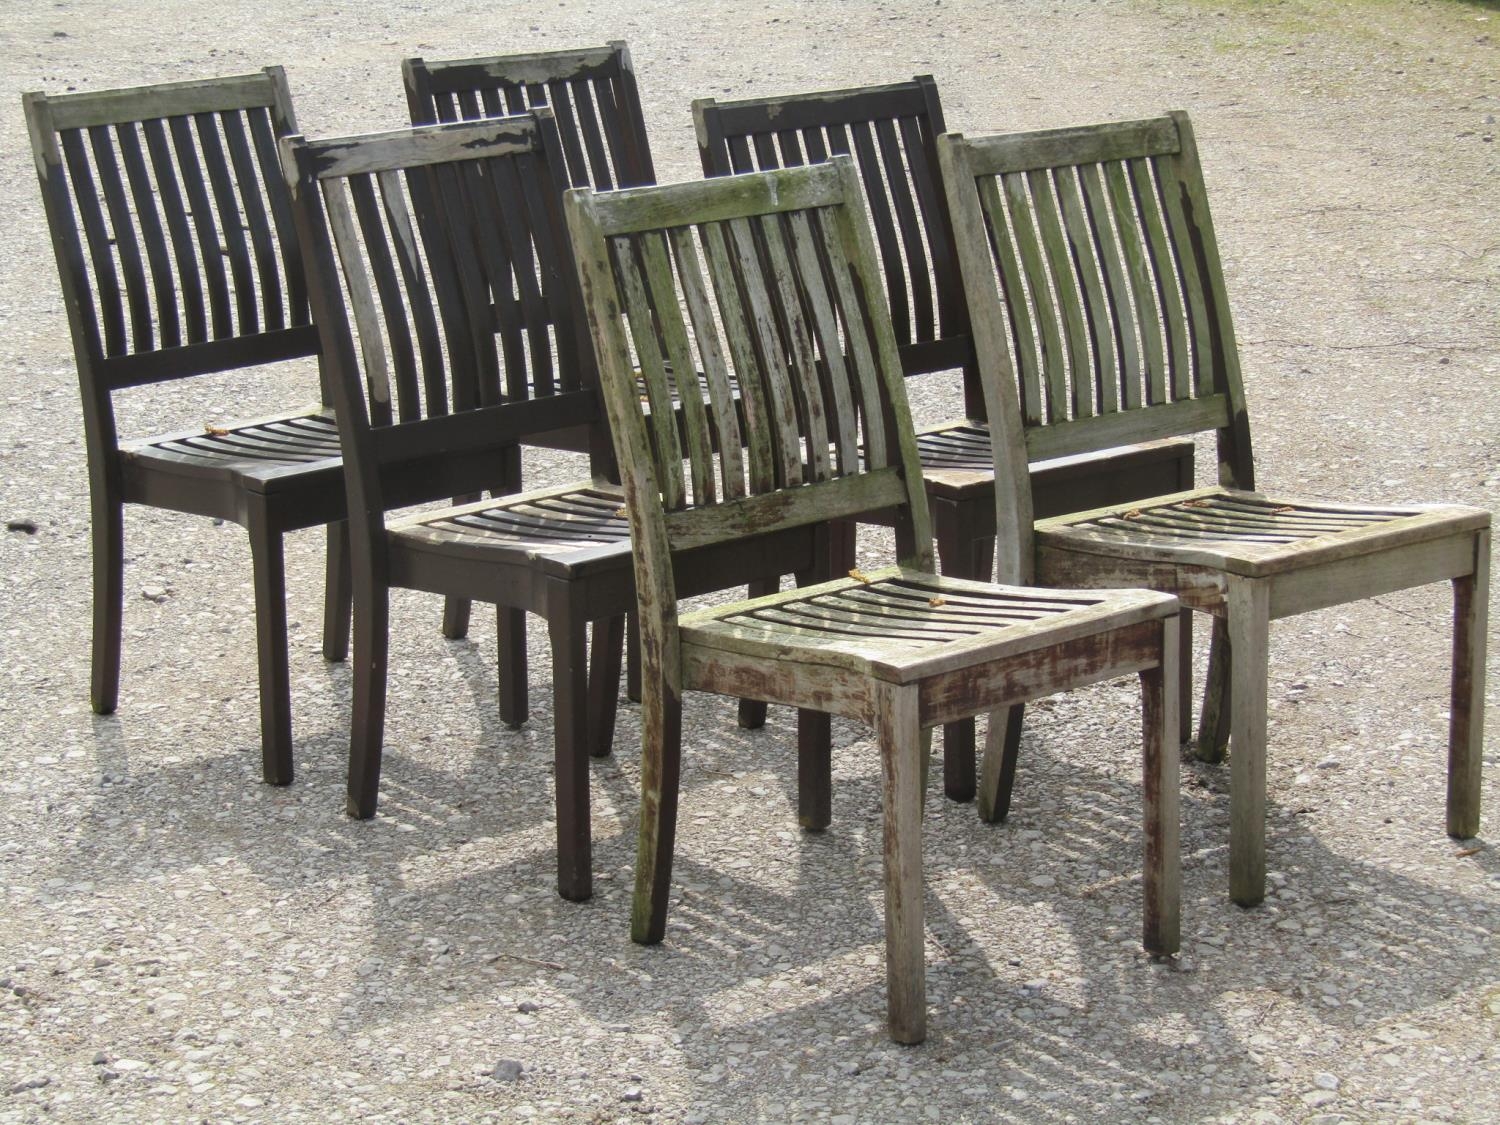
(769, 280)
(890, 132)
(439, 272)
(177, 256)
(594, 99)
(1110, 323)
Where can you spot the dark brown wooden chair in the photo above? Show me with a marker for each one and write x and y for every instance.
(768, 282)
(594, 99)
(438, 268)
(1100, 314)
(890, 131)
(177, 257)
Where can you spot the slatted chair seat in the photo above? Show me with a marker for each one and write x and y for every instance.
(771, 277)
(549, 525)
(178, 257)
(262, 449)
(1099, 312)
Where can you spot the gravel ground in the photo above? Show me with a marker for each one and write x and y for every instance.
(179, 942)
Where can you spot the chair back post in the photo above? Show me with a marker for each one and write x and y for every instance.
(765, 281)
(1236, 462)
(592, 92)
(173, 238)
(891, 131)
(438, 257)
(1014, 553)
(1095, 292)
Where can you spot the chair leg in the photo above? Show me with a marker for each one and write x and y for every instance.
(1218, 704)
(268, 564)
(338, 602)
(570, 751)
(367, 715)
(1002, 748)
(956, 553)
(900, 737)
(456, 610)
(1249, 628)
(1185, 673)
(661, 776)
(604, 684)
(753, 711)
(632, 658)
(1471, 598)
(814, 770)
(510, 635)
(108, 527)
(1162, 870)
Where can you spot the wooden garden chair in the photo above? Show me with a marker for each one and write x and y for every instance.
(438, 267)
(890, 131)
(594, 99)
(1110, 323)
(768, 281)
(177, 257)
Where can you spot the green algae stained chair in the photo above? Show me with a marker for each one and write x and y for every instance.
(891, 131)
(178, 258)
(1099, 310)
(767, 282)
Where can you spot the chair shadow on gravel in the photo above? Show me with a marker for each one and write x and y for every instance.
(1036, 975)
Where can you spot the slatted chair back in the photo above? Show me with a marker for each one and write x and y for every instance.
(592, 94)
(1095, 285)
(170, 221)
(890, 131)
(439, 268)
(766, 282)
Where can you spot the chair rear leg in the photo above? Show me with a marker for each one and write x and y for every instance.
(661, 777)
(752, 714)
(455, 609)
(268, 564)
(1471, 598)
(108, 527)
(1002, 749)
(899, 734)
(604, 684)
(510, 638)
(338, 605)
(1218, 703)
(367, 715)
(1162, 883)
(1249, 629)
(961, 557)
(570, 748)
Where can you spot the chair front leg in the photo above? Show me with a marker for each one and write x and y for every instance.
(108, 533)
(268, 564)
(1471, 599)
(1162, 870)
(568, 631)
(899, 733)
(956, 553)
(338, 605)
(1248, 626)
(661, 777)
